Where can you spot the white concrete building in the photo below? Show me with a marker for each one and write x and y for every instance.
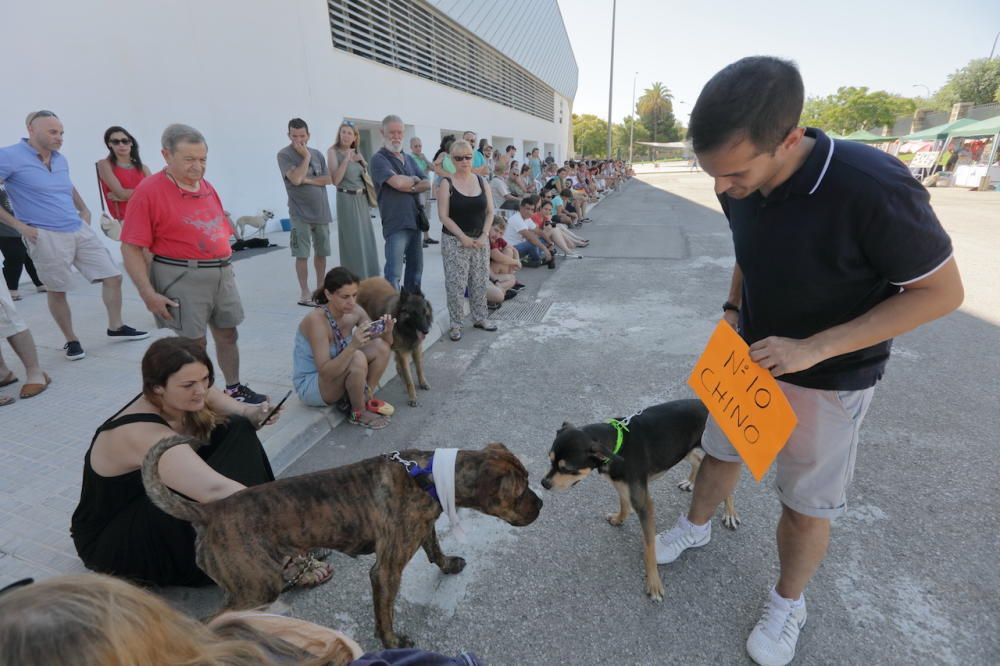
(238, 71)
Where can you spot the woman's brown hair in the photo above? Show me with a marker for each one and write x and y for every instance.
(97, 620)
(335, 279)
(357, 137)
(164, 358)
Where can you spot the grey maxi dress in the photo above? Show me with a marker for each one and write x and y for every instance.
(355, 233)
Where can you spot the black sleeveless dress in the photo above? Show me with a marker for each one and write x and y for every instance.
(469, 213)
(117, 530)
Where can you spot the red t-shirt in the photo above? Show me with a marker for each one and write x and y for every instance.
(175, 223)
(498, 244)
(539, 220)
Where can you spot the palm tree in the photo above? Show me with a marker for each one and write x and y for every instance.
(655, 101)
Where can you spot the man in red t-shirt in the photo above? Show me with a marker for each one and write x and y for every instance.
(189, 285)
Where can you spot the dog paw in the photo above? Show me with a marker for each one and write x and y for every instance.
(413, 403)
(731, 521)
(654, 590)
(615, 519)
(453, 565)
(686, 486)
(424, 387)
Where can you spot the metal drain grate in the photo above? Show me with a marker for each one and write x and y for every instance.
(530, 311)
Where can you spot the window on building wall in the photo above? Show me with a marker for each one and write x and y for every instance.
(417, 39)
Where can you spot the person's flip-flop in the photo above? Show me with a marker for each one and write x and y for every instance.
(6, 400)
(485, 325)
(31, 390)
(309, 303)
(377, 423)
(310, 572)
(11, 378)
(376, 406)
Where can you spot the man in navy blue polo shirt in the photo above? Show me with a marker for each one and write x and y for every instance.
(837, 252)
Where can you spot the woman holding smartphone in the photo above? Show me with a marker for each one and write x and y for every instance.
(340, 354)
(116, 528)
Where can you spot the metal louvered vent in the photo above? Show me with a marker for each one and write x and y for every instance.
(530, 311)
(417, 39)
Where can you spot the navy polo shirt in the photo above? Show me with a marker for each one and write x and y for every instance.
(842, 234)
(398, 209)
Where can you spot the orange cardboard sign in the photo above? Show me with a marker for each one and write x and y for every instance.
(743, 398)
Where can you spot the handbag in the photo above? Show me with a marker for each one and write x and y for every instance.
(366, 180)
(111, 227)
(422, 222)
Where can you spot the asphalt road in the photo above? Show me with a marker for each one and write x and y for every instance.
(911, 572)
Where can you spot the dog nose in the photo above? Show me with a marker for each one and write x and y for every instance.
(547, 483)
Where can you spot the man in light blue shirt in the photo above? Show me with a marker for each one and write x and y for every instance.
(55, 224)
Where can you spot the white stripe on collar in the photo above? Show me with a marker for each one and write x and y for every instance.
(822, 173)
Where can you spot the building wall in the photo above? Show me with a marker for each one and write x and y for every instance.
(237, 71)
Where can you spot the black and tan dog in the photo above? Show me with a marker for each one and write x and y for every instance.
(372, 506)
(653, 441)
(413, 315)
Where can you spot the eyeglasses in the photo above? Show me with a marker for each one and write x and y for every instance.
(120, 142)
(461, 158)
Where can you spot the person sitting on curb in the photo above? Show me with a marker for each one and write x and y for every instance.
(116, 528)
(503, 284)
(523, 235)
(330, 367)
(19, 337)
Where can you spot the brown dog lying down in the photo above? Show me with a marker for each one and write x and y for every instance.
(371, 506)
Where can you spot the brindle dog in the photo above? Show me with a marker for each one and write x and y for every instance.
(413, 315)
(371, 506)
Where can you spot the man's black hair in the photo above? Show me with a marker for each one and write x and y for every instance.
(297, 123)
(758, 98)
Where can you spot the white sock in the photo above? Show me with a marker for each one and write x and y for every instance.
(792, 603)
(687, 524)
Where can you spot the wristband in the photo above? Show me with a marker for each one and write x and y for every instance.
(727, 306)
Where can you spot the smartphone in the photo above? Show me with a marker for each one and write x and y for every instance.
(377, 327)
(276, 408)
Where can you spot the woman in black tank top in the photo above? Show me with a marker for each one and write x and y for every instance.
(116, 528)
(465, 207)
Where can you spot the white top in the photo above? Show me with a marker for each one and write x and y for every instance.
(500, 190)
(515, 225)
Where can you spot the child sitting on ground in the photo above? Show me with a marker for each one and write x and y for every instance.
(504, 261)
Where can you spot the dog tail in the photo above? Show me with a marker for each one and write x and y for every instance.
(163, 497)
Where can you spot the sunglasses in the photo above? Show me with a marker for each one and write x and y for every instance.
(348, 123)
(120, 142)
(461, 158)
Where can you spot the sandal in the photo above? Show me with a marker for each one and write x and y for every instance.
(455, 333)
(485, 325)
(6, 400)
(376, 406)
(377, 423)
(310, 572)
(308, 303)
(9, 379)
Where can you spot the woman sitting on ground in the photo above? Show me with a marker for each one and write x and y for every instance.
(561, 236)
(94, 620)
(116, 528)
(337, 358)
(515, 183)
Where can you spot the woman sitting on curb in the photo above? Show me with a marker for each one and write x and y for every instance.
(116, 528)
(329, 365)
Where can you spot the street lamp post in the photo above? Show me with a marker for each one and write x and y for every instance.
(611, 77)
(994, 45)
(631, 126)
(920, 85)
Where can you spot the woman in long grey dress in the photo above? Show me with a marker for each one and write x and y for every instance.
(355, 235)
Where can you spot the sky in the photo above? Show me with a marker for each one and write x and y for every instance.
(886, 45)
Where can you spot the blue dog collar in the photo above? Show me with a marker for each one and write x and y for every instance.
(422, 475)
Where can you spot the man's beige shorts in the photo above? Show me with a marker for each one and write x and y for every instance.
(306, 234)
(54, 254)
(207, 296)
(814, 469)
(10, 322)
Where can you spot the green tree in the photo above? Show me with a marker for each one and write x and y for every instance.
(656, 110)
(590, 135)
(978, 82)
(853, 108)
(620, 136)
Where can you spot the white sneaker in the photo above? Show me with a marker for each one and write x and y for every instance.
(772, 641)
(670, 544)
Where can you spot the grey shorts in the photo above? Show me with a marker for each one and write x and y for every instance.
(305, 235)
(55, 253)
(11, 322)
(207, 296)
(812, 472)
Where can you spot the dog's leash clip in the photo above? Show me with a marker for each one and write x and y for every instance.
(394, 456)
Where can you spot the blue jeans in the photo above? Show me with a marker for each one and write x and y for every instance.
(405, 245)
(525, 248)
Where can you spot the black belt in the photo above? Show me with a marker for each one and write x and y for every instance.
(346, 191)
(193, 263)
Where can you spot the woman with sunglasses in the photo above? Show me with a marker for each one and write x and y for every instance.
(121, 171)
(465, 207)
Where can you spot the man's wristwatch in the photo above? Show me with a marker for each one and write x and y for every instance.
(727, 306)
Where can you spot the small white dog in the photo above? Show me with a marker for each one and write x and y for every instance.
(259, 221)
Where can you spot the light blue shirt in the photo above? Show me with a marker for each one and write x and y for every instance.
(41, 197)
(478, 159)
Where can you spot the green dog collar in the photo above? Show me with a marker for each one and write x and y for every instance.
(620, 429)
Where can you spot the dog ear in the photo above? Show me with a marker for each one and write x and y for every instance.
(496, 446)
(599, 451)
(565, 426)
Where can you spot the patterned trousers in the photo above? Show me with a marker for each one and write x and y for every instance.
(465, 267)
